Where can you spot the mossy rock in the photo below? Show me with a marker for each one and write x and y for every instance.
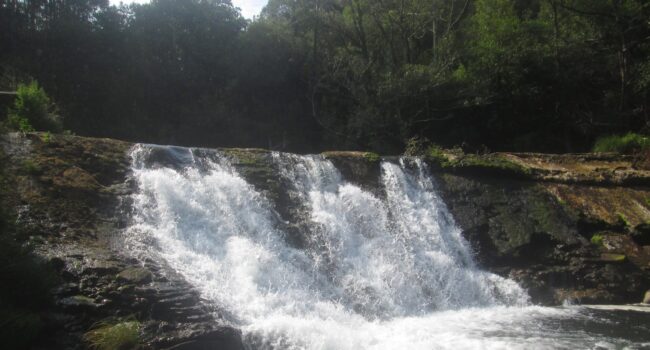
(76, 179)
(597, 239)
(110, 335)
(361, 168)
(489, 164)
(246, 156)
(135, 275)
(613, 258)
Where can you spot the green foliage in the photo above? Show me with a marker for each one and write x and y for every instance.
(597, 239)
(623, 219)
(416, 146)
(33, 110)
(18, 123)
(109, 335)
(438, 155)
(626, 144)
(327, 74)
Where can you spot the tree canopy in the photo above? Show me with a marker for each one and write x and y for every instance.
(309, 75)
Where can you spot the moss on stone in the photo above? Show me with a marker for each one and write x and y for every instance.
(245, 156)
(612, 206)
(546, 215)
(371, 157)
(438, 156)
(108, 335)
(348, 155)
(597, 239)
(493, 161)
(623, 219)
(613, 258)
(455, 159)
(135, 275)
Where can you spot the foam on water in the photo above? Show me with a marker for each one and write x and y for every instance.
(378, 271)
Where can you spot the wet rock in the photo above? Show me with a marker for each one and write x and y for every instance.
(78, 302)
(135, 275)
(360, 168)
(75, 178)
(641, 234)
(585, 296)
(646, 297)
(202, 337)
(542, 234)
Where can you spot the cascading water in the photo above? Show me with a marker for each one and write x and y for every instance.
(400, 257)
(376, 271)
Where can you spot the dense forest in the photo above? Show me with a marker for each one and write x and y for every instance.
(309, 75)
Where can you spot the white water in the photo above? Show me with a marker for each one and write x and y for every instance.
(392, 273)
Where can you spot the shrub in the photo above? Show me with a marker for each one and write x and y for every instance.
(114, 336)
(626, 144)
(16, 122)
(33, 110)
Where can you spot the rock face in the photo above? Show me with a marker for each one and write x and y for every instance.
(567, 227)
(573, 227)
(67, 193)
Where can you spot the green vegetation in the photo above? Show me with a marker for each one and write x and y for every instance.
(597, 239)
(613, 258)
(437, 155)
(626, 144)
(18, 123)
(492, 161)
(32, 110)
(371, 157)
(110, 335)
(623, 219)
(46, 137)
(456, 159)
(328, 74)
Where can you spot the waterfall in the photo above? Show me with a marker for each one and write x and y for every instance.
(402, 256)
(377, 271)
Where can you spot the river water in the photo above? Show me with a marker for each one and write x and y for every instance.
(375, 272)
